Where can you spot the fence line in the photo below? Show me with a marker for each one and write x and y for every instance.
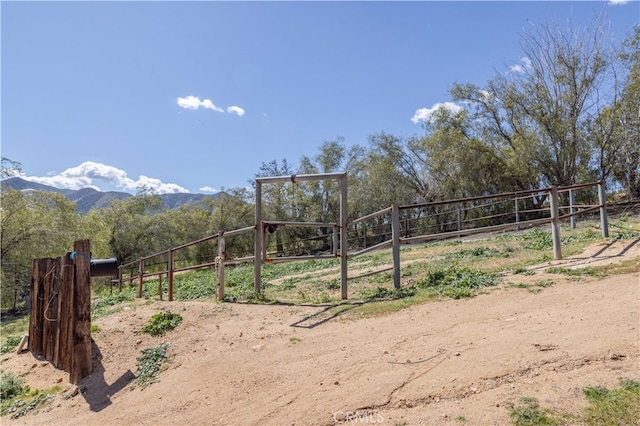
(543, 208)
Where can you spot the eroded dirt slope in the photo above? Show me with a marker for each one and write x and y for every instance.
(437, 363)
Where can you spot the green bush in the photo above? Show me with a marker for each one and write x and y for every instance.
(160, 323)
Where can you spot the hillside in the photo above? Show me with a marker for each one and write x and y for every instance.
(443, 362)
(87, 199)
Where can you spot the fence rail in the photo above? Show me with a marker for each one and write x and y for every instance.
(389, 227)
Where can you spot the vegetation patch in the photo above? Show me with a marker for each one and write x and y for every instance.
(458, 283)
(9, 344)
(162, 322)
(18, 400)
(620, 406)
(149, 364)
(106, 304)
(577, 272)
(529, 413)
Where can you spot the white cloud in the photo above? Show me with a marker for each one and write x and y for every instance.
(425, 114)
(194, 102)
(90, 175)
(517, 68)
(524, 64)
(616, 2)
(207, 189)
(235, 109)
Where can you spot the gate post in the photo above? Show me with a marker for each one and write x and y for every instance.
(602, 198)
(220, 261)
(343, 236)
(395, 237)
(555, 223)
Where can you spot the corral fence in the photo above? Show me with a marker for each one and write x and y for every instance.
(388, 228)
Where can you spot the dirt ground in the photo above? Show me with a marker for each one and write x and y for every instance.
(446, 362)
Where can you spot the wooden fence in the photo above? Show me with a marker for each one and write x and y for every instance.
(60, 320)
(390, 227)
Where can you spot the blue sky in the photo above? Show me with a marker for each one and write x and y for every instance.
(195, 96)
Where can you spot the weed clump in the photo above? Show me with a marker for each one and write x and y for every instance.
(149, 364)
(160, 323)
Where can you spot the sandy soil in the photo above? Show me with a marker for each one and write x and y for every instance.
(447, 362)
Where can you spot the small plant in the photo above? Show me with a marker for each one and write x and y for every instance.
(10, 386)
(18, 400)
(544, 283)
(149, 364)
(458, 282)
(295, 340)
(523, 271)
(160, 323)
(620, 406)
(10, 344)
(529, 413)
(588, 271)
(386, 293)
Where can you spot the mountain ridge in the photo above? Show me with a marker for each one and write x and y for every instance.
(87, 199)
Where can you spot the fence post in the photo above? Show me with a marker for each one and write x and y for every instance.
(81, 360)
(459, 219)
(170, 276)
(140, 277)
(602, 198)
(343, 237)
(220, 260)
(555, 223)
(258, 240)
(395, 237)
(572, 209)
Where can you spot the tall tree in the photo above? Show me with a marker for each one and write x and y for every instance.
(34, 224)
(537, 116)
(625, 141)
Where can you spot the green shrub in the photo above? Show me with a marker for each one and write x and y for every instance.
(160, 323)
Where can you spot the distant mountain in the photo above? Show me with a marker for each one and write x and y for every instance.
(88, 198)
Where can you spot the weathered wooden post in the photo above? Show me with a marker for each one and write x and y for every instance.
(602, 198)
(395, 237)
(170, 276)
(572, 209)
(555, 224)
(81, 359)
(343, 236)
(258, 240)
(220, 261)
(140, 277)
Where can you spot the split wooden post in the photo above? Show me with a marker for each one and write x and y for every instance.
(81, 365)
